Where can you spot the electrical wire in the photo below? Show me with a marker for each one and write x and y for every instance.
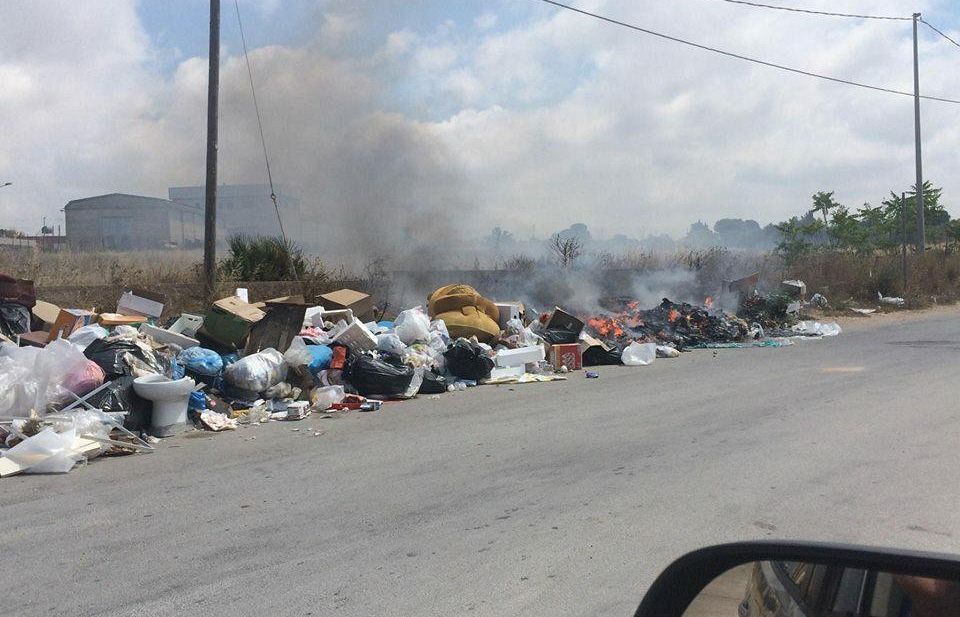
(935, 29)
(263, 141)
(823, 13)
(747, 58)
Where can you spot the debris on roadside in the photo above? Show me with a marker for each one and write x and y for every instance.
(76, 384)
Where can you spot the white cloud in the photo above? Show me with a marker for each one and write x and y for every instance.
(485, 21)
(558, 120)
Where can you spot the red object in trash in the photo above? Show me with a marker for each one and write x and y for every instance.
(339, 357)
(568, 355)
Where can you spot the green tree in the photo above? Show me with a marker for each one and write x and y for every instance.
(823, 203)
(795, 239)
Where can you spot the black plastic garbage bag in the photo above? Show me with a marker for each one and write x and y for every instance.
(432, 383)
(559, 336)
(109, 355)
(467, 360)
(598, 356)
(119, 395)
(14, 319)
(374, 377)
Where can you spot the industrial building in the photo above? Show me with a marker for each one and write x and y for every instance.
(246, 209)
(124, 222)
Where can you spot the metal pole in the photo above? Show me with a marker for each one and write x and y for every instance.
(903, 240)
(210, 207)
(921, 227)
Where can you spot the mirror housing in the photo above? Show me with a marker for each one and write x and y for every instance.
(683, 580)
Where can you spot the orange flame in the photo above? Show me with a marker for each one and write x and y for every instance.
(708, 302)
(673, 315)
(606, 326)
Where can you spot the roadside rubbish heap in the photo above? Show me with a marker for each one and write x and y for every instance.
(76, 384)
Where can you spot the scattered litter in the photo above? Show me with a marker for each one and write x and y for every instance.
(816, 328)
(592, 375)
(217, 421)
(891, 300)
(863, 311)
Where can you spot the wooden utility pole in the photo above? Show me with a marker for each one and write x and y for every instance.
(210, 205)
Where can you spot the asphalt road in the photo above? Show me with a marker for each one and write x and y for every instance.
(544, 499)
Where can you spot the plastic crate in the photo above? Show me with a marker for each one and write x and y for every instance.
(357, 337)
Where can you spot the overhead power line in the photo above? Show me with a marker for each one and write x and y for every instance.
(747, 58)
(822, 13)
(263, 141)
(935, 29)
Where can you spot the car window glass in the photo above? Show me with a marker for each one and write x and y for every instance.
(814, 590)
(848, 592)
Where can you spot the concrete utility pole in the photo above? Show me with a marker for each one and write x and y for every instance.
(921, 227)
(210, 207)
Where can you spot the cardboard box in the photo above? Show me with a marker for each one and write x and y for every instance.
(568, 355)
(742, 287)
(508, 311)
(46, 314)
(69, 320)
(360, 303)
(34, 339)
(228, 321)
(108, 320)
(283, 321)
(141, 302)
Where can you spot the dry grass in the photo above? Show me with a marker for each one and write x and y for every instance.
(844, 277)
(103, 268)
(97, 279)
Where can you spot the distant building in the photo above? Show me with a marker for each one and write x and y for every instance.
(123, 222)
(246, 209)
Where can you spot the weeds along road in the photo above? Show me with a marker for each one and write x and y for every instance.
(544, 499)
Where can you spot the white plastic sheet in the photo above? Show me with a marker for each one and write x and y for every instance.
(816, 328)
(46, 452)
(639, 354)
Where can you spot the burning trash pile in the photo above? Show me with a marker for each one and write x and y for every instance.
(76, 384)
(679, 325)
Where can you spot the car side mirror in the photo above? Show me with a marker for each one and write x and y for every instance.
(796, 579)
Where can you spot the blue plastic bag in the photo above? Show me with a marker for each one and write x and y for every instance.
(201, 361)
(321, 358)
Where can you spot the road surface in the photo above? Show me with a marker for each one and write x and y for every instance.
(544, 499)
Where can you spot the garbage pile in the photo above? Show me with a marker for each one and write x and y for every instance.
(80, 383)
(678, 325)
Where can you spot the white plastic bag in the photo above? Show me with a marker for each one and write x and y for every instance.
(31, 377)
(412, 325)
(390, 342)
(297, 354)
(258, 371)
(323, 398)
(85, 335)
(665, 351)
(639, 354)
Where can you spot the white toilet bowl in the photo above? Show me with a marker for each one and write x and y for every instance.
(169, 398)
